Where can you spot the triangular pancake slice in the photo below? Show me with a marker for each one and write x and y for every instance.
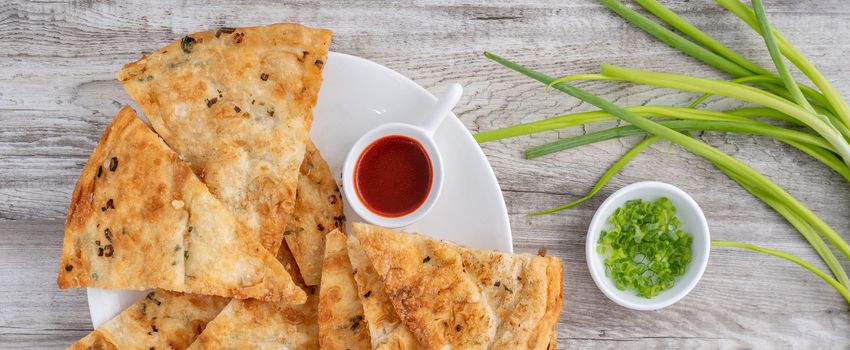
(161, 320)
(128, 330)
(341, 321)
(141, 219)
(253, 324)
(452, 296)
(237, 104)
(385, 327)
(256, 325)
(525, 293)
(250, 324)
(318, 210)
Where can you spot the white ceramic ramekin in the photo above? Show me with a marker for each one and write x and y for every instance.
(424, 134)
(693, 221)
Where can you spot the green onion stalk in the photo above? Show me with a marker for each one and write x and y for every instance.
(792, 54)
(808, 232)
(828, 121)
(713, 53)
(808, 143)
(755, 182)
(816, 121)
(844, 291)
(738, 91)
(781, 134)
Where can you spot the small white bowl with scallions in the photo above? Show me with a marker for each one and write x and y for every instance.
(664, 223)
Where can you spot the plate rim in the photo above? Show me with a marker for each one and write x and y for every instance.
(505, 217)
(506, 222)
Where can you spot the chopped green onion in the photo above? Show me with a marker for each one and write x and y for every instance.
(645, 248)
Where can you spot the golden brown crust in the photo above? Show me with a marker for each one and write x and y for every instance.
(341, 321)
(141, 219)
(523, 291)
(385, 327)
(448, 295)
(512, 291)
(554, 305)
(161, 320)
(439, 303)
(284, 255)
(318, 210)
(237, 104)
(95, 340)
(86, 248)
(251, 324)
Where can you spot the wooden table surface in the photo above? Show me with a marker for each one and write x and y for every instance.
(58, 92)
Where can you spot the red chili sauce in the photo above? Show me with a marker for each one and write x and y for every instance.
(393, 176)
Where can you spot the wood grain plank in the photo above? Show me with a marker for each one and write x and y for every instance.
(34, 312)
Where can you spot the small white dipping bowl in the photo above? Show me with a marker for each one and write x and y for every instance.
(426, 139)
(693, 222)
(424, 135)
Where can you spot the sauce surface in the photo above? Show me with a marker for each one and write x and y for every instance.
(393, 176)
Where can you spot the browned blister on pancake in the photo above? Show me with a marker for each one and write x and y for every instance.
(525, 294)
(140, 219)
(257, 325)
(160, 320)
(385, 328)
(252, 324)
(237, 104)
(318, 210)
(341, 321)
(452, 296)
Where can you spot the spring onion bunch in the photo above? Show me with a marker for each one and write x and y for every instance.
(815, 120)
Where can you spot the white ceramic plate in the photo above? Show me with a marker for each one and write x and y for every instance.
(356, 96)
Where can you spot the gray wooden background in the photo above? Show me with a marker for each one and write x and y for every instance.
(57, 93)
